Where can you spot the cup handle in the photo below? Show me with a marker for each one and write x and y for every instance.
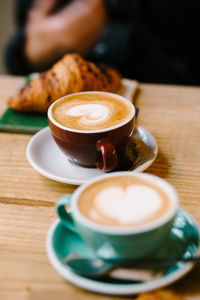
(109, 159)
(65, 215)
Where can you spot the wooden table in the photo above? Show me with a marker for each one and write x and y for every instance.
(170, 113)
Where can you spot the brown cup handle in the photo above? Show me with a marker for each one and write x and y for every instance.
(108, 160)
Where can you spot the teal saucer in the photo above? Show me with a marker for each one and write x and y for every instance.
(183, 240)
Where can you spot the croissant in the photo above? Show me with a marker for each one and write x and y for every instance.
(159, 295)
(71, 74)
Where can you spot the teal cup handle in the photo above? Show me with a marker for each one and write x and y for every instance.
(65, 215)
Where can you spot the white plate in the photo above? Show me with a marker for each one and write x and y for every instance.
(45, 157)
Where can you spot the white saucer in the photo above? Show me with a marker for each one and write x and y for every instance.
(45, 157)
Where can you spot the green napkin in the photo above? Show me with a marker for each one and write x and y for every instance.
(14, 121)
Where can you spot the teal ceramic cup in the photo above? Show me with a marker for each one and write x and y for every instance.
(114, 243)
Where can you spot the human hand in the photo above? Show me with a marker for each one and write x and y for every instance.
(74, 28)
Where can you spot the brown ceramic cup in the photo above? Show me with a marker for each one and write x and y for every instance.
(93, 148)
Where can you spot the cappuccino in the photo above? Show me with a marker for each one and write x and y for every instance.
(92, 111)
(124, 201)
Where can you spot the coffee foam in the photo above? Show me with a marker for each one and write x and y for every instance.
(91, 111)
(89, 114)
(127, 205)
(123, 201)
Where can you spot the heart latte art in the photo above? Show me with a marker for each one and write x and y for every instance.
(132, 204)
(89, 114)
(91, 111)
(123, 201)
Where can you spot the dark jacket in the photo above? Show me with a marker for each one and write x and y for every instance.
(150, 40)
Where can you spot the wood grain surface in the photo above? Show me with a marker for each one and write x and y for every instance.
(170, 113)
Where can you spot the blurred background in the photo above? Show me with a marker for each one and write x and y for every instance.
(151, 41)
(6, 28)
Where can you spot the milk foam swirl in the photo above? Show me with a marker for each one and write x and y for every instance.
(129, 205)
(90, 113)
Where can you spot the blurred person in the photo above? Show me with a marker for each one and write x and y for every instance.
(150, 40)
(47, 29)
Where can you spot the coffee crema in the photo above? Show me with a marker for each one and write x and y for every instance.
(123, 201)
(91, 111)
